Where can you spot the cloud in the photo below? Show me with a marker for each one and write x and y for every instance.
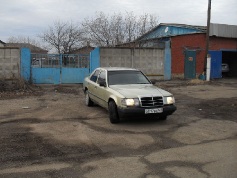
(30, 17)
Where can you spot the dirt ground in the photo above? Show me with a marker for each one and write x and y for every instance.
(47, 131)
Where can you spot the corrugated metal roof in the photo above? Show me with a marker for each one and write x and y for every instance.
(2, 42)
(171, 29)
(198, 27)
(222, 30)
(219, 30)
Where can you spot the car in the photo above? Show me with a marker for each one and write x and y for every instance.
(127, 92)
(224, 68)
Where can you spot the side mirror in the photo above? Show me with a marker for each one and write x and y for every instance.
(102, 83)
(153, 81)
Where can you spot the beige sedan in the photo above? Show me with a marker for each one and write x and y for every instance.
(127, 92)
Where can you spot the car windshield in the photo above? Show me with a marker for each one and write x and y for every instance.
(124, 77)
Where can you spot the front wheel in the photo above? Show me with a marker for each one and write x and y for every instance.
(88, 100)
(113, 112)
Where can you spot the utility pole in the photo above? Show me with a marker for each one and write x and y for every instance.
(207, 35)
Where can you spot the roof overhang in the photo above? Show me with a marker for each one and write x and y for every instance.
(222, 30)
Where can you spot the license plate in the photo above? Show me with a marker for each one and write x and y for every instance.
(156, 110)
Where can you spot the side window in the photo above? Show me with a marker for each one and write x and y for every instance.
(94, 76)
(101, 77)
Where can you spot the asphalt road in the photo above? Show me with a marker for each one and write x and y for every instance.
(53, 134)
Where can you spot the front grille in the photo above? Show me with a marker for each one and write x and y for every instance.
(151, 101)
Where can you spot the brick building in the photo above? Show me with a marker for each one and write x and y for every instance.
(226, 46)
(186, 46)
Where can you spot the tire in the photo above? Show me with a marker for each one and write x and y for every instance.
(163, 118)
(113, 113)
(88, 100)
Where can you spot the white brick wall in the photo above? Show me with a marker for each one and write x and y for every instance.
(150, 61)
(9, 63)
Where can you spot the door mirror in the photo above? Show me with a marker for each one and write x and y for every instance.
(153, 81)
(102, 83)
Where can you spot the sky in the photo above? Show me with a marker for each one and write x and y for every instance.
(29, 18)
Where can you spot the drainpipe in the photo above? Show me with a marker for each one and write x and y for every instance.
(208, 70)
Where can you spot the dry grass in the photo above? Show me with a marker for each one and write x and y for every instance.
(14, 84)
(197, 82)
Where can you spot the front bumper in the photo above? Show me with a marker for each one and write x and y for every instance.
(140, 112)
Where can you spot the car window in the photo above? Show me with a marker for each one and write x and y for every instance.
(126, 77)
(101, 76)
(94, 76)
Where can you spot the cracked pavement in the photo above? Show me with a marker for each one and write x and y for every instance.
(55, 135)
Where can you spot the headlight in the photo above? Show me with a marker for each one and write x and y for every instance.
(169, 100)
(130, 102)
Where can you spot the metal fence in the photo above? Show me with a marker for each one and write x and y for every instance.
(59, 68)
(60, 60)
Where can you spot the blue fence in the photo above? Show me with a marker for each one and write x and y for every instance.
(54, 68)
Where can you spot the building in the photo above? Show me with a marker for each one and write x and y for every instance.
(85, 50)
(185, 47)
(2, 44)
(33, 48)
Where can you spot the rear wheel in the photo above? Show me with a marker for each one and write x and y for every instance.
(113, 112)
(88, 100)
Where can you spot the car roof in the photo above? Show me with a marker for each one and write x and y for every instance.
(117, 68)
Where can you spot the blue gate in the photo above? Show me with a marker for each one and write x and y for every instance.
(59, 68)
(216, 60)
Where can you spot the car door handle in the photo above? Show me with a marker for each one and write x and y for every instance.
(95, 86)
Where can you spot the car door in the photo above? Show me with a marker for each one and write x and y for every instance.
(100, 91)
(92, 85)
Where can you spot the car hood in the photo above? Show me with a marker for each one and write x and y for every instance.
(135, 90)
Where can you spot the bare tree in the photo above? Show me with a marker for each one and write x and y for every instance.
(98, 30)
(23, 39)
(105, 30)
(63, 36)
(130, 27)
(146, 22)
(117, 29)
(26, 41)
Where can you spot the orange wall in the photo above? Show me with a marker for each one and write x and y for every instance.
(222, 43)
(196, 42)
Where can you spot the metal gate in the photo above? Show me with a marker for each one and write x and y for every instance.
(190, 64)
(216, 60)
(59, 68)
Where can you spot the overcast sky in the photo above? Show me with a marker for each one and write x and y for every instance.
(31, 17)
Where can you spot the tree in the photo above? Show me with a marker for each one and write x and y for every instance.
(130, 27)
(63, 36)
(26, 42)
(22, 39)
(105, 30)
(98, 30)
